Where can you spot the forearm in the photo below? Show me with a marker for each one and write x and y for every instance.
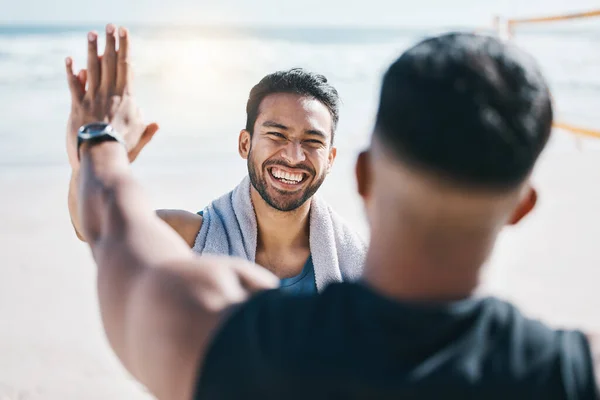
(72, 203)
(99, 185)
(159, 303)
(112, 205)
(157, 300)
(184, 223)
(127, 240)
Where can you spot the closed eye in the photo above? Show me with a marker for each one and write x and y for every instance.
(276, 134)
(315, 142)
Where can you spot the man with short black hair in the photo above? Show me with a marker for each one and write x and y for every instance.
(461, 122)
(273, 216)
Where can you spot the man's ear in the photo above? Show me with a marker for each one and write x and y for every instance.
(331, 159)
(526, 204)
(363, 174)
(244, 143)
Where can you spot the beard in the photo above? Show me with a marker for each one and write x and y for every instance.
(282, 200)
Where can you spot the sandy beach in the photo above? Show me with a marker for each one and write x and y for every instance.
(51, 342)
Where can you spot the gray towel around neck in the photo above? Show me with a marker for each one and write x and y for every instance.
(229, 228)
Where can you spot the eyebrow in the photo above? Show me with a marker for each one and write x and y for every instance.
(271, 124)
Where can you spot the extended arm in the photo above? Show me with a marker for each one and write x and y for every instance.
(84, 85)
(159, 302)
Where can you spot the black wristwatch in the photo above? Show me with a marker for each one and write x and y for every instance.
(97, 132)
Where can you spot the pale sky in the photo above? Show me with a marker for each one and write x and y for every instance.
(284, 12)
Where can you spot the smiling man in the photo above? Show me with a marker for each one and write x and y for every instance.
(272, 217)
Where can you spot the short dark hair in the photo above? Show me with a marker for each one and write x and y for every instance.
(296, 81)
(468, 107)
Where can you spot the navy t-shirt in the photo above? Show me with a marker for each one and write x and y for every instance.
(351, 343)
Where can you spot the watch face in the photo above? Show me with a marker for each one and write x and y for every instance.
(95, 129)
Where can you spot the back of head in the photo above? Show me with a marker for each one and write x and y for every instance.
(466, 107)
(461, 122)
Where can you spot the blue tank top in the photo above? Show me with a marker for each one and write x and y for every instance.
(303, 283)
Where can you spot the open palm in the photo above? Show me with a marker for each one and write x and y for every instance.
(103, 92)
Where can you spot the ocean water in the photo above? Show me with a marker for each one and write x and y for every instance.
(195, 81)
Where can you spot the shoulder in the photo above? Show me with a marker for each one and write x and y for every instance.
(261, 336)
(185, 223)
(277, 319)
(344, 226)
(345, 234)
(502, 319)
(564, 357)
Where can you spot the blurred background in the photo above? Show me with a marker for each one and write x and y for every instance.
(195, 63)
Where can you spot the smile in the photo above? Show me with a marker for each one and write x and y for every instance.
(289, 178)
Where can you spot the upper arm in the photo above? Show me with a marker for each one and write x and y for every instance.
(159, 302)
(168, 330)
(172, 313)
(185, 223)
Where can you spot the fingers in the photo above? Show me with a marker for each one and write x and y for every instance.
(74, 84)
(109, 62)
(93, 64)
(109, 72)
(254, 277)
(146, 137)
(151, 129)
(123, 66)
(82, 76)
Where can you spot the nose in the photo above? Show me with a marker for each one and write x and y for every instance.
(293, 153)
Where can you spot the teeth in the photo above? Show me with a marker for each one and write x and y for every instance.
(293, 178)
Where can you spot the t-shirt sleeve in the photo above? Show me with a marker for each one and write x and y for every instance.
(557, 364)
(577, 367)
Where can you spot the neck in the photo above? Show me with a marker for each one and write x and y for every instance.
(280, 230)
(430, 236)
(408, 265)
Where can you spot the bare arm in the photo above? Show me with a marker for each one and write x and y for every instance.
(159, 302)
(185, 223)
(72, 202)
